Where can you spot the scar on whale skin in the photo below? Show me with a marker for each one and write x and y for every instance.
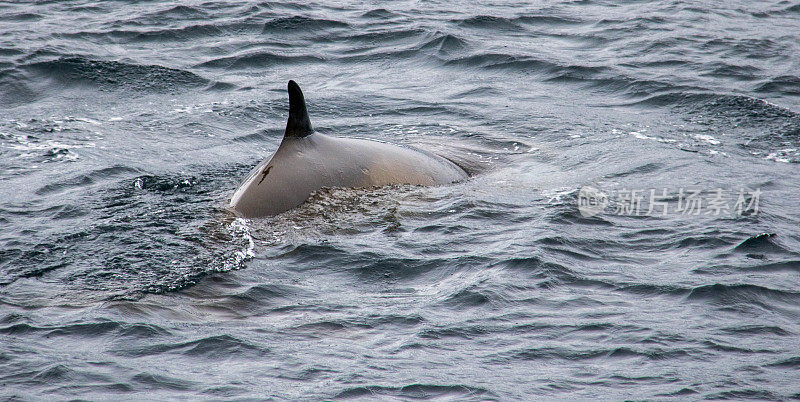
(264, 174)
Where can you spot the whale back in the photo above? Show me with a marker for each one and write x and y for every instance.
(307, 161)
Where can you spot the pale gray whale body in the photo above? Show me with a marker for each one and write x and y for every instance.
(307, 161)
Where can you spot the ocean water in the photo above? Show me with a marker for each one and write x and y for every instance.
(125, 127)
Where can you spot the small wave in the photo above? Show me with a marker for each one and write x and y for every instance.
(161, 34)
(738, 72)
(179, 12)
(549, 20)
(445, 44)
(20, 17)
(757, 330)
(259, 60)
(564, 353)
(301, 23)
(504, 61)
(84, 180)
(418, 391)
(213, 347)
(382, 37)
(161, 382)
(488, 22)
(380, 13)
(117, 75)
(742, 293)
(742, 394)
(784, 85)
(91, 329)
(759, 243)
(792, 363)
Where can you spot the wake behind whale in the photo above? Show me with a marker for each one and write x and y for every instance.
(307, 161)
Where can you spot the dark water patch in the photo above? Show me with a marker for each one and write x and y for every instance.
(465, 332)
(20, 329)
(734, 294)
(90, 330)
(226, 391)
(791, 363)
(738, 72)
(301, 24)
(54, 374)
(321, 328)
(785, 85)
(259, 137)
(93, 329)
(720, 347)
(570, 215)
(361, 40)
(259, 60)
(702, 241)
(564, 353)
(260, 298)
(756, 330)
(488, 22)
(779, 266)
(265, 293)
(179, 13)
(15, 91)
(193, 33)
(222, 86)
(758, 242)
(593, 77)
(218, 347)
(85, 180)
(8, 51)
(373, 265)
(645, 289)
(310, 374)
(549, 20)
(677, 99)
(281, 5)
(379, 55)
(371, 322)
(683, 392)
(445, 44)
(20, 17)
(758, 245)
(87, 8)
(142, 331)
(155, 381)
(503, 61)
(552, 274)
(750, 48)
(418, 391)
(380, 14)
(794, 9)
(115, 75)
(477, 91)
(745, 110)
(472, 297)
(742, 394)
(612, 82)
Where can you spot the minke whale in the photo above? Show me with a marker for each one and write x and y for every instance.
(307, 161)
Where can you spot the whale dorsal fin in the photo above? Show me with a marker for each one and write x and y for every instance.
(298, 125)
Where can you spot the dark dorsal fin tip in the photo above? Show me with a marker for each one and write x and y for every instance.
(298, 125)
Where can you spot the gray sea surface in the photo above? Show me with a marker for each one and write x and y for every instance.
(125, 127)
